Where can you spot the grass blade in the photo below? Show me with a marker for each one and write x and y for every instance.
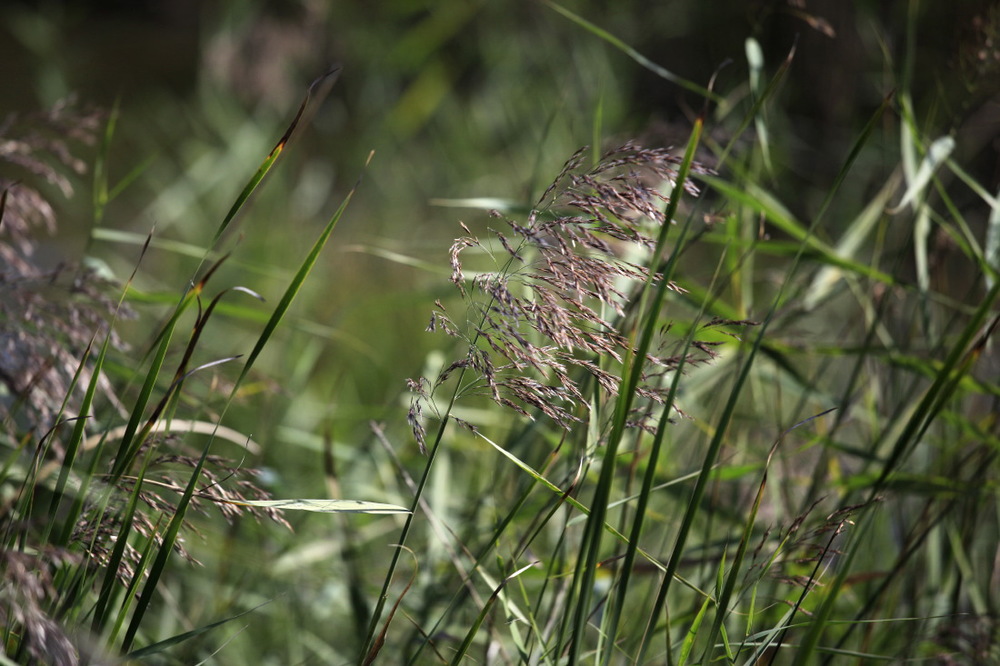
(632, 53)
(316, 89)
(280, 310)
(478, 622)
(325, 506)
(165, 644)
(586, 570)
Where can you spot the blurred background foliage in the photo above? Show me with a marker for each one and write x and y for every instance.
(458, 99)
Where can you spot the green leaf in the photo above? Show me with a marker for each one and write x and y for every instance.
(324, 506)
(161, 646)
(320, 85)
(936, 154)
(632, 53)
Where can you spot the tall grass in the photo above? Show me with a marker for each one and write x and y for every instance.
(94, 518)
(681, 412)
(712, 561)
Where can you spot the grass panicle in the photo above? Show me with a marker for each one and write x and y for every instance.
(542, 324)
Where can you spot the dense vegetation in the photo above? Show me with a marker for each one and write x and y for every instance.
(710, 373)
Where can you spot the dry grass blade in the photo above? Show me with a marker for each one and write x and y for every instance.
(379, 641)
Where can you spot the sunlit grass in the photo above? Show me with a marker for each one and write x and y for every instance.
(822, 491)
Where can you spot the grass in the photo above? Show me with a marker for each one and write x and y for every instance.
(684, 410)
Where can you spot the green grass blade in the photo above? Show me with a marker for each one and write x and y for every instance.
(177, 520)
(165, 644)
(852, 156)
(130, 443)
(76, 439)
(297, 281)
(758, 104)
(632, 53)
(692, 634)
(102, 609)
(320, 85)
(721, 427)
(325, 506)
(736, 569)
(100, 187)
(3, 203)
(129, 594)
(755, 63)
(652, 300)
(478, 622)
(858, 231)
(617, 603)
(756, 198)
(991, 248)
(937, 153)
(957, 364)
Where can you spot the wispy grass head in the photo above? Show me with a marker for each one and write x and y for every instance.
(37, 150)
(47, 315)
(554, 314)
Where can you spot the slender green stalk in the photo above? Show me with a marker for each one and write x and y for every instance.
(652, 301)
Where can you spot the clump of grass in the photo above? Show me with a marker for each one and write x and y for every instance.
(559, 329)
(598, 541)
(76, 510)
(93, 511)
(577, 519)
